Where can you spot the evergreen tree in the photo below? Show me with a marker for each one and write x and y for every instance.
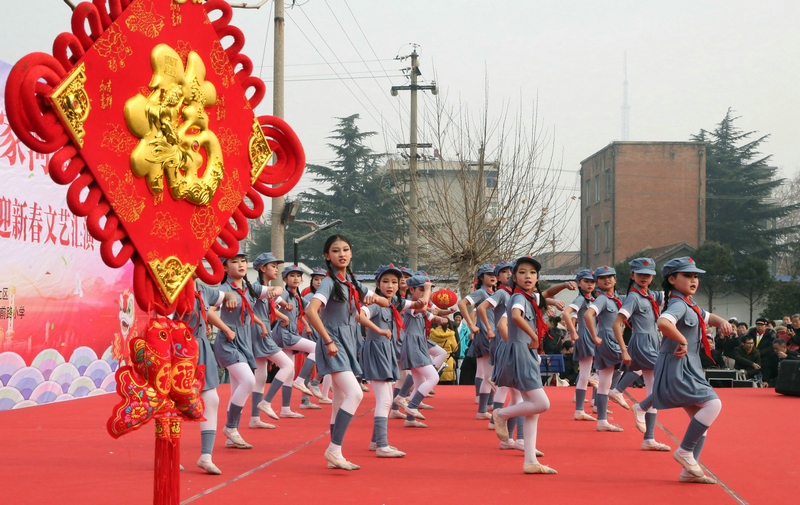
(739, 186)
(717, 261)
(354, 190)
(751, 279)
(783, 299)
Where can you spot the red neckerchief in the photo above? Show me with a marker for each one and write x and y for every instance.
(302, 312)
(619, 305)
(696, 309)
(245, 303)
(398, 319)
(505, 288)
(203, 314)
(541, 327)
(652, 301)
(587, 297)
(352, 292)
(272, 315)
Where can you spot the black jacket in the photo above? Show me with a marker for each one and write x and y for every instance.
(745, 361)
(765, 346)
(727, 344)
(769, 367)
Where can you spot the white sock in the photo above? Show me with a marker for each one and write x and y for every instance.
(603, 422)
(684, 473)
(687, 455)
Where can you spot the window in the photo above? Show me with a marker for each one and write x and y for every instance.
(597, 238)
(596, 188)
(607, 225)
(491, 180)
(608, 184)
(588, 192)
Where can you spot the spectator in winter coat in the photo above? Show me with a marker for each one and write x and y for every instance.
(716, 360)
(552, 343)
(772, 361)
(763, 337)
(747, 357)
(446, 339)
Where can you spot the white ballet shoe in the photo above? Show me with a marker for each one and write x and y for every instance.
(583, 416)
(507, 444)
(325, 401)
(396, 414)
(206, 464)
(485, 416)
(302, 388)
(692, 469)
(259, 424)
(364, 388)
(315, 391)
(705, 479)
(655, 447)
(425, 406)
(414, 424)
(500, 426)
(609, 427)
(414, 413)
(337, 460)
(309, 406)
(618, 399)
(235, 440)
(389, 452)
(400, 401)
(373, 446)
(637, 412)
(266, 408)
(531, 468)
(291, 415)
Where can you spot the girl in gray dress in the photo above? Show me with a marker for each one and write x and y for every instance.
(265, 349)
(519, 362)
(641, 310)
(333, 312)
(320, 385)
(402, 388)
(288, 338)
(377, 356)
(235, 351)
(679, 379)
(485, 280)
(584, 347)
(414, 355)
(199, 319)
(608, 353)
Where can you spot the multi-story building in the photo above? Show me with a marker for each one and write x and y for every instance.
(638, 195)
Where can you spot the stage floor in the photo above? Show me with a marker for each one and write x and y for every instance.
(61, 453)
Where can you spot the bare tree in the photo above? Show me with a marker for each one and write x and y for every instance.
(494, 192)
(788, 193)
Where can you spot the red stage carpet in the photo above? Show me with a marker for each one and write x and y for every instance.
(61, 453)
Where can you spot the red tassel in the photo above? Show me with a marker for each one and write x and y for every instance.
(167, 471)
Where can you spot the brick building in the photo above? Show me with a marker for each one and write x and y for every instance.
(638, 195)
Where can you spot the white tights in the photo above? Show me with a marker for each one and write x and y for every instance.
(425, 378)
(533, 403)
(649, 379)
(584, 373)
(262, 369)
(500, 395)
(438, 355)
(326, 386)
(242, 383)
(211, 402)
(383, 397)
(705, 412)
(347, 393)
(605, 377)
(302, 345)
(484, 371)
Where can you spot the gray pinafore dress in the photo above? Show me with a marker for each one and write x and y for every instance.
(644, 344)
(608, 354)
(208, 297)
(263, 347)
(401, 336)
(289, 335)
(377, 356)
(517, 365)
(238, 320)
(414, 351)
(314, 337)
(339, 318)
(680, 382)
(584, 347)
(499, 300)
(480, 344)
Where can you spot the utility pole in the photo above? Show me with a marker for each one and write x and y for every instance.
(413, 233)
(277, 236)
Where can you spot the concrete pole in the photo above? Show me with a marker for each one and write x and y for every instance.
(413, 240)
(277, 111)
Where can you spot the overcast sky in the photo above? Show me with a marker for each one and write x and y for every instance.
(688, 61)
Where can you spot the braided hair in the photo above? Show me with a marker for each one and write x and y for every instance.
(631, 282)
(246, 282)
(667, 287)
(338, 291)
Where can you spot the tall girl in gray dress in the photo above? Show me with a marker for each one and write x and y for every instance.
(320, 385)
(265, 349)
(414, 355)
(235, 351)
(608, 353)
(519, 362)
(679, 379)
(289, 339)
(479, 349)
(584, 348)
(377, 356)
(198, 319)
(402, 388)
(333, 312)
(641, 310)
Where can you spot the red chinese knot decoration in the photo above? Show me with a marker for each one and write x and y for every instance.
(444, 298)
(148, 119)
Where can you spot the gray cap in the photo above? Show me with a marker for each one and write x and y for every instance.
(290, 269)
(584, 274)
(416, 281)
(319, 271)
(390, 268)
(644, 266)
(528, 259)
(265, 258)
(407, 271)
(500, 266)
(239, 253)
(604, 271)
(685, 264)
(484, 269)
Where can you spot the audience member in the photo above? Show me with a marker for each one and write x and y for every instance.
(553, 341)
(716, 359)
(741, 330)
(772, 361)
(763, 336)
(787, 320)
(446, 339)
(793, 344)
(570, 366)
(747, 357)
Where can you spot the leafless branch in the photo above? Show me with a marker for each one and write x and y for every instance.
(249, 6)
(70, 4)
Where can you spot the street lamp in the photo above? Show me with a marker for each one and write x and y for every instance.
(316, 229)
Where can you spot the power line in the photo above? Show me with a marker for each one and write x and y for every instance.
(266, 39)
(325, 63)
(321, 79)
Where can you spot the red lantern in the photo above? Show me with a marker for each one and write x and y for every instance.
(444, 298)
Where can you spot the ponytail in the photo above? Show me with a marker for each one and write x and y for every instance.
(667, 287)
(292, 292)
(630, 285)
(542, 301)
(250, 287)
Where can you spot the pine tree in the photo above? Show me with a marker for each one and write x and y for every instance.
(739, 186)
(355, 191)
